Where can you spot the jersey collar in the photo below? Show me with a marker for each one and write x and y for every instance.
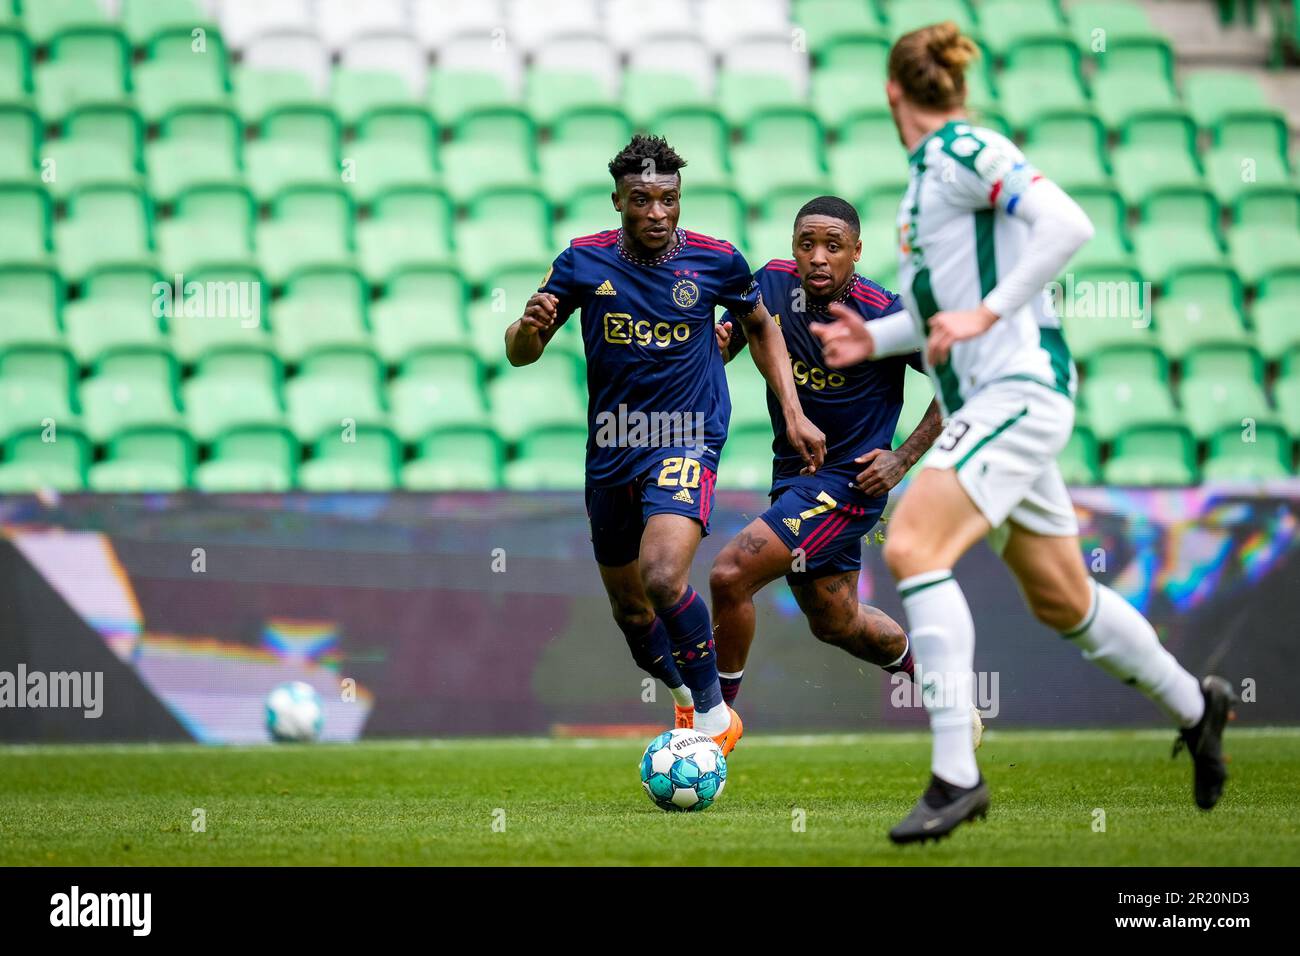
(636, 260)
(917, 153)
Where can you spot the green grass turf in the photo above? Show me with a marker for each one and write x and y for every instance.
(580, 802)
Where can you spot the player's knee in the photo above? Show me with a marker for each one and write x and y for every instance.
(727, 579)
(904, 553)
(831, 629)
(663, 585)
(631, 616)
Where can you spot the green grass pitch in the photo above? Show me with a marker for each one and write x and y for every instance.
(580, 802)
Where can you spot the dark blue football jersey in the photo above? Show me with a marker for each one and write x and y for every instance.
(655, 378)
(856, 407)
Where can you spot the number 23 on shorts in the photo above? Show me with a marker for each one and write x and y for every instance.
(953, 434)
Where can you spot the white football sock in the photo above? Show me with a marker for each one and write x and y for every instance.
(907, 646)
(713, 721)
(682, 696)
(943, 646)
(1119, 640)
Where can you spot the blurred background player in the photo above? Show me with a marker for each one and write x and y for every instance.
(981, 235)
(658, 411)
(812, 534)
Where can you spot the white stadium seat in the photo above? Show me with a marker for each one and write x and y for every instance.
(393, 53)
(481, 52)
(589, 54)
(533, 23)
(242, 21)
(437, 21)
(678, 53)
(630, 22)
(291, 50)
(768, 56)
(341, 21)
(723, 23)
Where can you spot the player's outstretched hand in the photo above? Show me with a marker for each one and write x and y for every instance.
(948, 328)
(809, 441)
(845, 341)
(884, 470)
(722, 332)
(539, 313)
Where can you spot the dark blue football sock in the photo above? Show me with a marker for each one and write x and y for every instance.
(652, 650)
(691, 633)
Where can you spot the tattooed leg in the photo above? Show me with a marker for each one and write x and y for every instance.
(751, 561)
(835, 616)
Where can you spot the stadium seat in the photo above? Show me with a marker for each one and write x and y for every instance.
(113, 316)
(26, 217)
(455, 459)
(566, 161)
(365, 461)
(310, 227)
(291, 49)
(100, 146)
(31, 300)
(1222, 387)
(1264, 455)
(1080, 460)
(551, 458)
(1127, 388)
(1265, 235)
(1097, 27)
(700, 136)
(261, 92)
(32, 462)
(146, 458)
(221, 307)
(747, 459)
(1178, 230)
(355, 92)
(780, 150)
(322, 309)
(1152, 455)
(1004, 23)
(523, 400)
(409, 227)
(178, 77)
(1157, 150)
(1134, 78)
(1211, 94)
(15, 63)
(1041, 77)
(1274, 315)
(904, 16)
(21, 132)
(1249, 154)
(129, 391)
(1286, 392)
(628, 24)
(422, 310)
(505, 293)
(869, 159)
(550, 93)
(394, 149)
(504, 228)
(748, 392)
(143, 21)
(298, 146)
(430, 394)
(340, 21)
(196, 147)
(250, 459)
(1200, 307)
(324, 403)
(87, 64)
(105, 225)
(1070, 147)
(1104, 308)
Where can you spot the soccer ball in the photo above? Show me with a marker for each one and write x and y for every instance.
(294, 712)
(683, 770)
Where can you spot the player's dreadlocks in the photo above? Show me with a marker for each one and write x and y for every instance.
(650, 154)
(832, 206)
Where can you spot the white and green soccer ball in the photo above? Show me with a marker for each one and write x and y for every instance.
(683, 770)
(294, 712)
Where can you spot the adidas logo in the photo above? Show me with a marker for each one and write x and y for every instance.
(606, 288)
(792, 524)
(685, 496)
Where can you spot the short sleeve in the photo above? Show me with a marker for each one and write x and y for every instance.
(560, 282)
(989, 170)
(739, 293)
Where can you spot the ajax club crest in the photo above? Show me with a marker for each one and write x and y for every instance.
(685, 293)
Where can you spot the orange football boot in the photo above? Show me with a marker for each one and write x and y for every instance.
(683, 717)
(728, 739)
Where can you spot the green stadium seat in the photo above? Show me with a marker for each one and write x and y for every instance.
(223, 310)
(714, 211)
(198, 147)
(904, 16)
(1005, 23)
(149, 458)
(1265, 235)
(1070, 148)
(31, 299)
(1212, 94)
(20, 137)
(470, 169)
(550, 459)
(1157, 150)
(86, 65)
(319, 404)
(1286, 391)
(1103, 308)
(322, 309)
(550, 93)
(866, 53)
(1097, 27)
(211, 224)
(33, 403)
(840, 93)
(100, 146)
(1041, 77)
(250, 459)
(32, 463)
(391, 155)
(105, 225)
(1274, 315)
(409, 227)
(216, 403)
(1127, 388)
(1109, 247)
(367, 463)
(15, 63)
(144, 20)
(505, 293)
(39, 362)
(115, 400)
(869, 159)
(119, 319)
(260, 92)
(424, 400)
(1135, 79)
(918, 393)
(1152, 455)
(700, 136)
(163, 85)
(781, 150)
(298, 146)
(567, 170)
(748, 392)
(747, 459)
(1079, 461)
(310, 227)
(42, 19)
(504, 228)
(26, 215)
(742, 94)
(522, 400)
(422, 310)
(457, 459)
(826, 22)
(356, 92)
(1200, 307)
(1222, 387)
(649, 93)
(1249, 154)
(456, 94)
(1267, 456)
(1178, 230)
